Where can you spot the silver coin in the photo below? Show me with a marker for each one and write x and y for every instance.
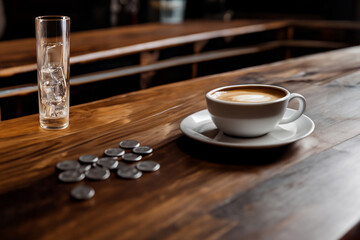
(148, 166)
(98, 173)
(129, 144)
(89, 158)
(131, 157)
(129, 172)
(82, 192)
(68, 165)
(108, 162)
(143, 150)
(71, 176)
(121, 165)
(84, 168)
(114, 152)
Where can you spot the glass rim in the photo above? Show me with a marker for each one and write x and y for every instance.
(52, 18)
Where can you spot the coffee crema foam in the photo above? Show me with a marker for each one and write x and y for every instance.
(249, 95)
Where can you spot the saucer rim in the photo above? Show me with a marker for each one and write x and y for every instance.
(184, 130)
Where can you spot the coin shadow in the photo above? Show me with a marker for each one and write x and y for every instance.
(231, 156)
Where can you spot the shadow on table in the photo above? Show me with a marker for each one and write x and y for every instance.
(232, 156)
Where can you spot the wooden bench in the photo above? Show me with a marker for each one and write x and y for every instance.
(92, 52)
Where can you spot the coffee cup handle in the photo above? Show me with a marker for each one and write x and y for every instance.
(302, 105)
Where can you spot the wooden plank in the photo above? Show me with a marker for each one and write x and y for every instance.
(173, 62)
(322, 24)
(19, 56)
(147, 58)
(289, 36)
(294, 205)
(18, 90)
(179, 40)
(313, 44)
(197, 48)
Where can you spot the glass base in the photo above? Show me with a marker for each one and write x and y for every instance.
(54, 128)
(54, 123)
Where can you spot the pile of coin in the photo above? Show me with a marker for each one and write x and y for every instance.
(94, 168)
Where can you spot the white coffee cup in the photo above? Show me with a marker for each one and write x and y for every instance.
(251, 110)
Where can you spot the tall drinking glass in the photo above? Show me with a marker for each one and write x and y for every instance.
(53, 70)
(172, 11)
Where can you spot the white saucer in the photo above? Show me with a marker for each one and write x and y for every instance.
(199, 126)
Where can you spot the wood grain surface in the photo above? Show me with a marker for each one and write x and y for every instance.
(18, 56)
(305, 190)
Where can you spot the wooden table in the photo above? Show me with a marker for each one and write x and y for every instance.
(306, 190)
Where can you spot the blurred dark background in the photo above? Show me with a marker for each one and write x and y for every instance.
(17, 16)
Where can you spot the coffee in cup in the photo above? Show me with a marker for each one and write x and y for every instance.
(251, 110)
(250, 94)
